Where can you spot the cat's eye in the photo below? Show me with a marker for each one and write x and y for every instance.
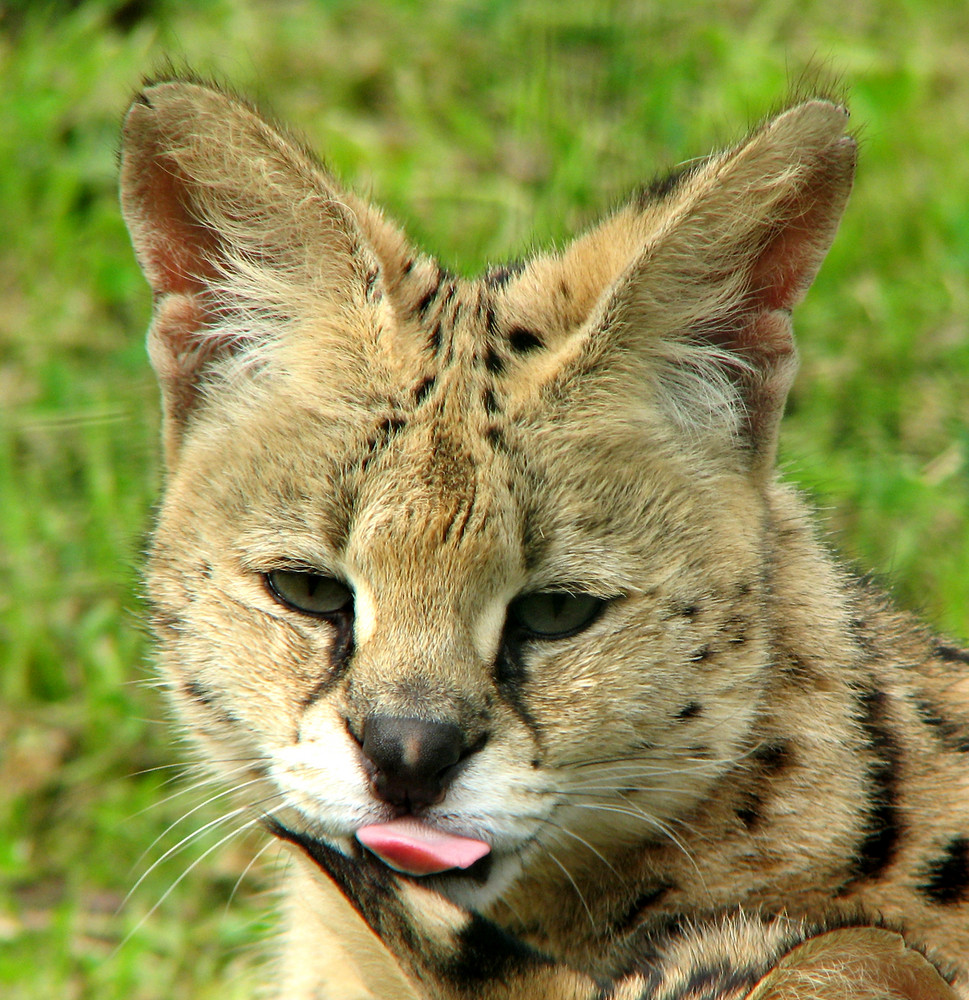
(311, 593)
(555, 614)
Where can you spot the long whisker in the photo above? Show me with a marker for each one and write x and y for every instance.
(245, 871)
(185, 816)
(232, 833)
(634, 812)
(585, 843)
(198, 765)
(210, 779)
(194, 835)
(575, 885)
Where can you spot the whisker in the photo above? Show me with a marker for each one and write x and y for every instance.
(198, 765)
(245, 871)
(182, 877)
(194, 835)
(575, 886)
(585, 843)
(211, 779)
(191, 812)
(635, 813)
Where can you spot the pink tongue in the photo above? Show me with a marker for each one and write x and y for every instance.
(410, 846)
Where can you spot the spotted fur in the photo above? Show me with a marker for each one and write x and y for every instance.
(729, 778)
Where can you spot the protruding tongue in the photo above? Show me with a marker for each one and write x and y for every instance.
(410, 846)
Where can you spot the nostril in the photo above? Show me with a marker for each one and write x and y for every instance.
(413, 758)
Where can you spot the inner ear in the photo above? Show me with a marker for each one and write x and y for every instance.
(238, 230)
(175, 247)
(695, 289)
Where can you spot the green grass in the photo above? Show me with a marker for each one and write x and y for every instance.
(487, 128)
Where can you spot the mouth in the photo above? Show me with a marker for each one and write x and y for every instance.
(407, 845)
(413, 847)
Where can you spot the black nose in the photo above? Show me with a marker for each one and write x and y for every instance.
(413, 759)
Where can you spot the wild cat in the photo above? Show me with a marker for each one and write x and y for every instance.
(492, 588)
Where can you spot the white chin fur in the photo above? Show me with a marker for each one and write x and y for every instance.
(472, 895)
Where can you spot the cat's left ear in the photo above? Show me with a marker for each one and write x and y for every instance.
(731, 250)
(237, 229)
(684, 296)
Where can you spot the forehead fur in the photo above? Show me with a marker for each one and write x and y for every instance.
(660, 339)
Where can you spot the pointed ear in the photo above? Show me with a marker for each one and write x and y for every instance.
(856, 963)
(729, 251)
(235, 225)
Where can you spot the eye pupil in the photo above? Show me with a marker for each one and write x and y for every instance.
(555, 614)
(312, 593)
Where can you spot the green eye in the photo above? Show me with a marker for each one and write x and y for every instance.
(556, 614)
(309, 592)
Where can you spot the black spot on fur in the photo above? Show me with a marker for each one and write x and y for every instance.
(952, 654)
(498, 277)
(882, 824)
(523, 341)
(690, 710)
(773, 758)
(423, 388)
(702, 655)
(860, 630)
(200, 693)
(390, 425)
(642, 902)
(951, 735)
(424, 302)
(947, 878)
(486, 953)
(491, 322)
(766, 761)
(750, 812)
(798, 672)
(494, 362)
(720, 979)
(205, 696)
(738, 627)
(688, 611)
(495, 438)
(167, 621)
(434, 338)
(490, 403)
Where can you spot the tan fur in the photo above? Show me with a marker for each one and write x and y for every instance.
(744, 726)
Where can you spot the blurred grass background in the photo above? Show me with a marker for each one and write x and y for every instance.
(487, 128)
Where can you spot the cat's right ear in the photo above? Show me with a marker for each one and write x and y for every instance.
(236, 227)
